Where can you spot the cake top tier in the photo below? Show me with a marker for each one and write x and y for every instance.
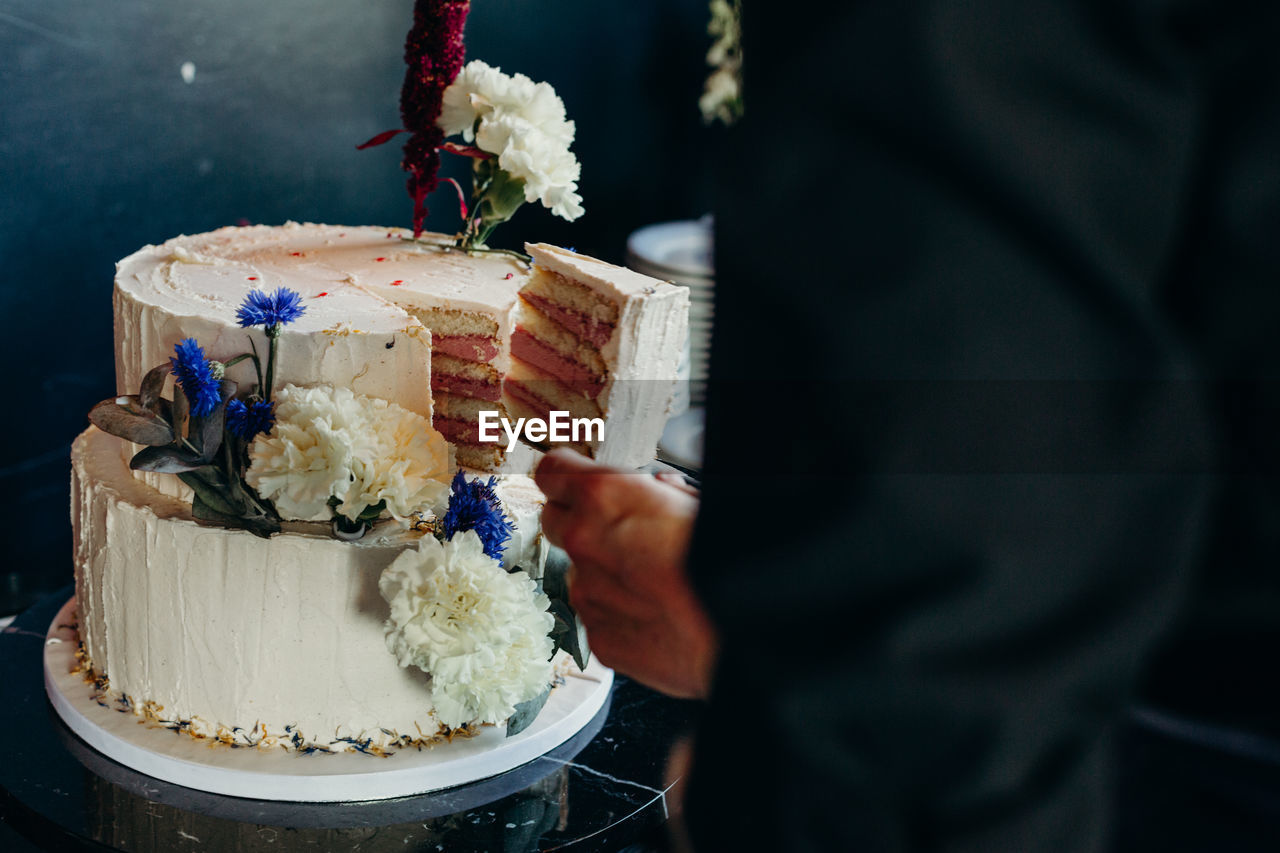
(360, 286)
(334, 268)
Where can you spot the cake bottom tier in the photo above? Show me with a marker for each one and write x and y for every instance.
(227, 635)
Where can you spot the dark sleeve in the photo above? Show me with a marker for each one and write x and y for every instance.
(957, 467)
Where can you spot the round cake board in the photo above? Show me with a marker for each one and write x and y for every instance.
(277, 774)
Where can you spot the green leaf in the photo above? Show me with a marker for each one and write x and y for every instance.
(568, 633)
(152, 385)
(212, 489)
(127, 418)
(555, 574)
(262, 526)
(371, 513)
(501, 195)
(236, 491)
(255, 524)
(526, 712)
(204, 512)
(218, 501)
(368, 515)
(166, 460)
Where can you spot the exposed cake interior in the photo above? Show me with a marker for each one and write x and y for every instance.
(574, 306)
(597, 341)
(466, 303)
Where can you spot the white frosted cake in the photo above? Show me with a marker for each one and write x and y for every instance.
(403, 320)
(286, 639)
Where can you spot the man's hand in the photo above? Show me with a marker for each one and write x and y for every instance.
(628, 536)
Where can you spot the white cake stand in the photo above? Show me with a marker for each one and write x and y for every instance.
(274, 774)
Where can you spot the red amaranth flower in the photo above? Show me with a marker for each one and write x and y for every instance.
(434, 52)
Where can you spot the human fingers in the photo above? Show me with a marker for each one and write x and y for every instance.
(560, 474)
(599, 493)
(582, 535)
(602, 597)
(578, 528)
(671, 478)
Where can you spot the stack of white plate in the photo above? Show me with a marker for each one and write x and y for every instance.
(681, 252)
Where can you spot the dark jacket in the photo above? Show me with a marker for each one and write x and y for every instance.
(992, 412)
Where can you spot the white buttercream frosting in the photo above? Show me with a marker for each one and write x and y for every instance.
(431, 276)
(522, 502)
(232, 630)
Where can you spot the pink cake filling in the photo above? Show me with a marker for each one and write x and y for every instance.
(464, 387)
(480, 348)
(529, 349)
(457, 431)
(595, 332)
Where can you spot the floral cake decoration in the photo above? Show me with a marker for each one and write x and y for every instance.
(514, 131)
(251, 459)
(486, 632)
(202, 432)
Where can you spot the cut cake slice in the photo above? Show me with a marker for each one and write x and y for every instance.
(591, 336)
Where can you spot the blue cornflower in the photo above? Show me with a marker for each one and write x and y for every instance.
(270, 309)
(474, 505)
(195, 375)
(246, 421)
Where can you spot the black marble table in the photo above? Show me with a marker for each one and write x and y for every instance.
(604, 789)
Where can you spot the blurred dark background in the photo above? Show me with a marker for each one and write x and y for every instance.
(106, 146)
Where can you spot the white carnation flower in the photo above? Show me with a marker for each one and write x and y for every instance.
(524, 124)
(549, 170)
(481, 90)
(332, 443)
(481, 632)
(469, 94)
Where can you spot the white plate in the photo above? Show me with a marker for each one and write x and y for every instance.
(274, 774)
(678, 250)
